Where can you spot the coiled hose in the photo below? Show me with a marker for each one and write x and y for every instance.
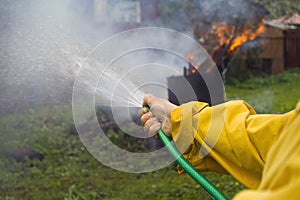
(188, 168)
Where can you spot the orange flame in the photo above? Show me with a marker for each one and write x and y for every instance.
(225, 33)
(192, 59)
(224, 39)
(246, 36)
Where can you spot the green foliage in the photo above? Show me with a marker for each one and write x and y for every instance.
(183, 14)
(177, 14)
(237, 71)
(245, 65)
(278, 8)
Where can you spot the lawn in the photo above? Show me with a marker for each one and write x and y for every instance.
(68, 171)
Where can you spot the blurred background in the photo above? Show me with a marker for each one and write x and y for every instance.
(254, 44)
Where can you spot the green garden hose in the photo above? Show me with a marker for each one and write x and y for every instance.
(188, 168)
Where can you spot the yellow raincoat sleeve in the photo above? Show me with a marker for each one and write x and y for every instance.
(229, 138)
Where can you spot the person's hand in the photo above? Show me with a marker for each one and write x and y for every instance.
(159, 117)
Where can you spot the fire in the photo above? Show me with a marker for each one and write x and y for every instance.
(232, 37)
(224, 39)
(192, 59)
(223, 33)
(246, 36)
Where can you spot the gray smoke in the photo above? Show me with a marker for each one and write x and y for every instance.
(42, 45)
(228, 11)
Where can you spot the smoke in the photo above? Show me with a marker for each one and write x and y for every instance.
(185, 15)
(44, 43)
(42, 46)
(228, 11)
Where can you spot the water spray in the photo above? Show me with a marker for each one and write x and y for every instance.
(188, 168)
(113, 76)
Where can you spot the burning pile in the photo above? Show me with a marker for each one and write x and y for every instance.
(223, 40)
(233, 37)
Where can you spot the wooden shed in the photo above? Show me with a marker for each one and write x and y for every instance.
(281, 44)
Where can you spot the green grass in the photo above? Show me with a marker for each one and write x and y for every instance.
(70, 172)
(276, 94)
